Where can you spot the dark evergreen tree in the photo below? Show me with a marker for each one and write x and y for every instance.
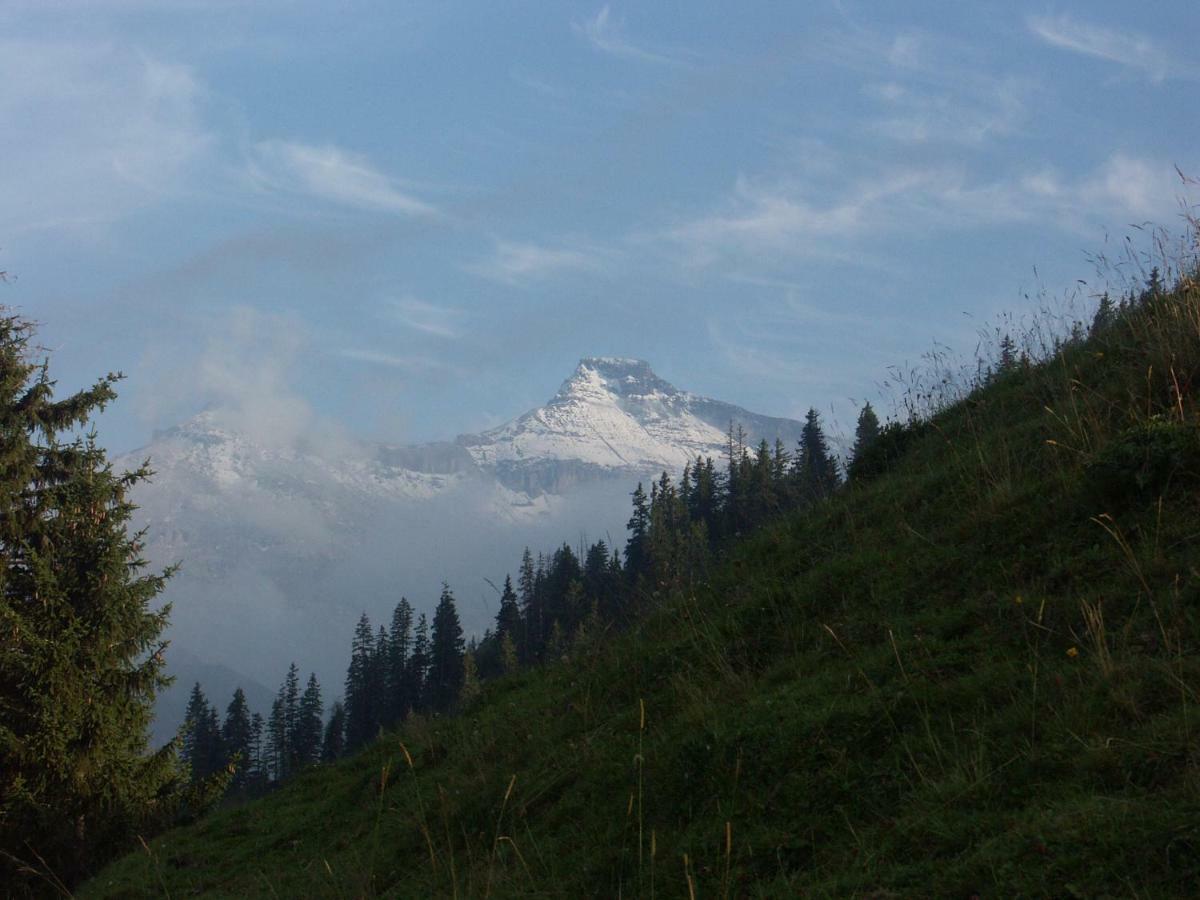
(238, 736)
(737, 507)
(562, 572)
(362, 723)
(637, 558)
(399, 699)
(531, 613)
(508, 618)
(761, 495)
(306, 742)
(216, 757)
(815, 470)
(601, 584)
(704, 498)
(445, 654)
(278, 752)
(1008, 354)
(663, 538)
(333, 746)
(418, 677)
(81, 658)
(1154, 286)
(203, 749)
(290, 694)
(258, 767)
(780, 465)
(1106, 314)
(866, 432)
(379, 678)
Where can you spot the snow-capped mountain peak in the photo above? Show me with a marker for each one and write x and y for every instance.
(619, 376)
(613, 416)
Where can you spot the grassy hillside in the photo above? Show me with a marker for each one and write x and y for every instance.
(975, 673)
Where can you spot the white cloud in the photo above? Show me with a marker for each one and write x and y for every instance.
(768, 217)
(607, 35)
(426, 318)
(243, 367)
(514, 262)
(330, 173)
(929, 88)
(1122, 186)
(812, 218)
(1126, 48)
(93, 131)
(967, 113)
(410, 363)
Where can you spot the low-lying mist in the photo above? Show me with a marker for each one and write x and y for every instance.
(269, 579)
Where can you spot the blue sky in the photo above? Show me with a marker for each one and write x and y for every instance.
(406, 221)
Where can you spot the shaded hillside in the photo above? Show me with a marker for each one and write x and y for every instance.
(973, 671)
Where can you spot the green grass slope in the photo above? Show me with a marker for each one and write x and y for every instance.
(974, 674)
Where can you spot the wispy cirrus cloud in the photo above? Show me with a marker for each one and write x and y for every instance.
(1126, 48)
(969, 115)
(330, 173)
(764, 217)
(1123, 186)
(811, 217)
(426, 318)
(408, 362)
(926, 88)
(513, 262)
(95, 131)
(607, 34)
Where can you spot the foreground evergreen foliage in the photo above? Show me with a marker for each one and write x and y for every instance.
(81, 649)
(973, 670)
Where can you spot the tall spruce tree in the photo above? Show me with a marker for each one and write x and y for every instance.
(257, 767)
(238, 736)
(289, 693)
(445, 654)
(306, 741)
(816, 471)
(866, 432)
(278, 751)
(203, 749)
(508, 618)
(379, 676)
(399, 699)
(1008, 354)
(418, 665)
(361, 721)
(82, 657)
(531, 614)
(637, 555)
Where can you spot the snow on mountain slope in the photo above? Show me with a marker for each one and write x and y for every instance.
(614, 416)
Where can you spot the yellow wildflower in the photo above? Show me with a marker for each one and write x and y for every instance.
(1072, 652)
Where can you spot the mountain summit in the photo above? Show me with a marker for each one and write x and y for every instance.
(614, 416)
